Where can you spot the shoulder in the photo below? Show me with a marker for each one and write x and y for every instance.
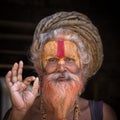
(108, 112)
(100, 107)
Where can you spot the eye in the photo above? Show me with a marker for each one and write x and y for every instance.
(52, 60)
(67, 59)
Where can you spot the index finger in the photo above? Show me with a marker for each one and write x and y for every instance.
(8, 79)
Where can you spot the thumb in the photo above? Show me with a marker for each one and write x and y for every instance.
(35, 86)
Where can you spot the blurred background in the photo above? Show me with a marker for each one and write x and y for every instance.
(18, 19)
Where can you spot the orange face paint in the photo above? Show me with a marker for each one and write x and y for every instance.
(60, 48)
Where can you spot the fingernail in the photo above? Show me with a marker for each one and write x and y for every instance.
(21, 62)
(33, 77)
(37, 78)
(9, 72)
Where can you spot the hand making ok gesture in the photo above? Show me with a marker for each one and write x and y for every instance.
(21, 97)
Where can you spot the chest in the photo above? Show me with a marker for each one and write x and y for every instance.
(91, 112)
(84, 115)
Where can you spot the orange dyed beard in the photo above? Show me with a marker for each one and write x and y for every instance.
(60, 96)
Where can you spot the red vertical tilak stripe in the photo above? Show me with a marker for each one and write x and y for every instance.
(60, 48)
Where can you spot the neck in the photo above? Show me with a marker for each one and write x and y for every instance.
(56, 114)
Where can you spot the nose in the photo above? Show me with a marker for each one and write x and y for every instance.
(61, 66)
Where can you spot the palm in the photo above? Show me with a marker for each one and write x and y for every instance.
(21, 97)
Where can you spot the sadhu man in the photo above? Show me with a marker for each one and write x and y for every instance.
(66, 51)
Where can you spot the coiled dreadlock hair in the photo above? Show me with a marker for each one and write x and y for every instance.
(87, 38)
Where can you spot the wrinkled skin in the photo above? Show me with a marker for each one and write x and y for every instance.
(22, 99)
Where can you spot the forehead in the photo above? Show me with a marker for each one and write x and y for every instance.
(51, 48)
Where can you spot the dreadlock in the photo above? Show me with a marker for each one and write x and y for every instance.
(79, 24)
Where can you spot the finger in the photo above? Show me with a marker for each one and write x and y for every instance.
(8, 79)
(28, 80)
(20, 70)
(35, 87)
(14, 72)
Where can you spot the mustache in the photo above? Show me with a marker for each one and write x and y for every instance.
(65, 75)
